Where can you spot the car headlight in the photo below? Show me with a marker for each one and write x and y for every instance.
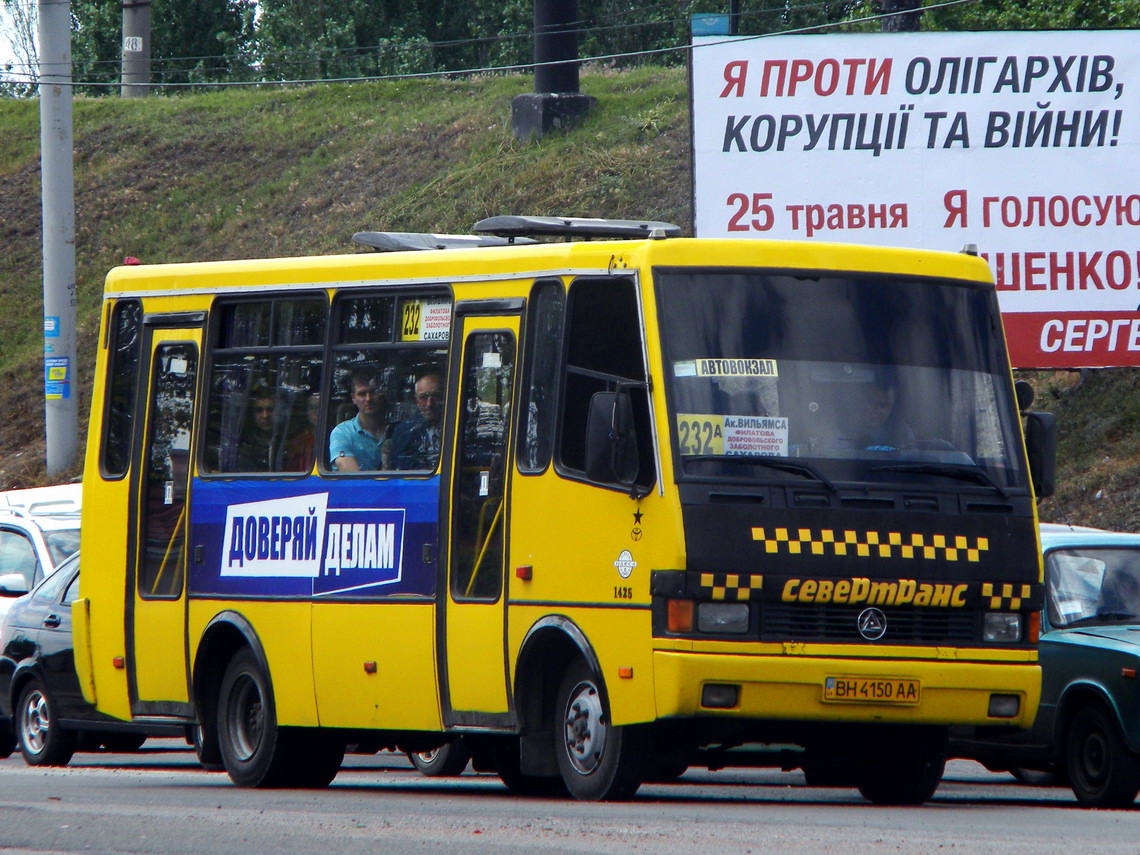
(1002, 627)
(722, 617)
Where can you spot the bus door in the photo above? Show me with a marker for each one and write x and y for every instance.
(156, 621)
(473, 668)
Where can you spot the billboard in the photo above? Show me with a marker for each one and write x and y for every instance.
(1025, 144)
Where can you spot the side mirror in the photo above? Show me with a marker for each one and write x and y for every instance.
(13, 585)
(1041, 449)
(1024, 394)
(611, 441)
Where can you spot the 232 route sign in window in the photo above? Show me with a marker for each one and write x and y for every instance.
(704, 434)
(425, 320)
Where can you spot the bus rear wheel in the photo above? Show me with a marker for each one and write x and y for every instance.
(903, 770)
(255, 750)
(598, 760)
(443, 762)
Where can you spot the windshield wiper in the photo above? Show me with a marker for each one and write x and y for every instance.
(947, 470)
(781, 463)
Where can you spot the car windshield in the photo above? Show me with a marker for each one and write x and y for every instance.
(1093, 586)
(857, 377)
(61, 544)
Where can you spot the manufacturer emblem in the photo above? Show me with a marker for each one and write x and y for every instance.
(625, 564)
(872, 624)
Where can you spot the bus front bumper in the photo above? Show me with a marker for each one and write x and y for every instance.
(804, 688)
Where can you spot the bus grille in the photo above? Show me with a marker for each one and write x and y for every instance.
(792, 622)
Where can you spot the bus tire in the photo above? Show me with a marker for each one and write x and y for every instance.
(443, 762)
(903, 774)
(532, 785)
(1102, 770)
(255, 751)
(42, 741)
(598, 760)
(204, 738)
(315, 757)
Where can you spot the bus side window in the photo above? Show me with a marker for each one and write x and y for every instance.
(122, 387)
(264, 386)
(537, 416)
(390, 363)
(604, 354)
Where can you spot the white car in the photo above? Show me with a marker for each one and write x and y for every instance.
(39, 527)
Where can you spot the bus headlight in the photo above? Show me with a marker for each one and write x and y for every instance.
(722, 617)
(1001, 627)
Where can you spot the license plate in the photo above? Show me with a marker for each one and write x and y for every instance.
(871, 690)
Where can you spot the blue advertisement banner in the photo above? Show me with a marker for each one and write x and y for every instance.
(314, 537)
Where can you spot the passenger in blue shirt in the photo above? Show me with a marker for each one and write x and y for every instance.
(363, 442)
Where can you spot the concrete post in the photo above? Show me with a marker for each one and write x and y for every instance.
(556, 103)
(61, 409)
(135, 80)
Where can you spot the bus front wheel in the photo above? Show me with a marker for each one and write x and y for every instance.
(598, 760)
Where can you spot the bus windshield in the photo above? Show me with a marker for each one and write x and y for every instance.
(837, 377)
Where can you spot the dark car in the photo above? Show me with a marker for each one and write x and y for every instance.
(42, 709)
(1087, 732)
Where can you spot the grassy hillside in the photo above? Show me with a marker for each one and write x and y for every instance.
(263, 173)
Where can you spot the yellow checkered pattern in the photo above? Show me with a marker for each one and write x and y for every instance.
(1002, 597)
(871, 544)
(732, 586)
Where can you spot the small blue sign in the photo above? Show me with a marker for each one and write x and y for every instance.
(710, 24)
(51, 327)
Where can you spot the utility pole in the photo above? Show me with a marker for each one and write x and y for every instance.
(556, 103)
(908, 22)
(61, 409)
(136, 49)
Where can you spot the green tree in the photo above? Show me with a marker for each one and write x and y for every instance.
(346, 38)
(1035, 15)
(192, 41)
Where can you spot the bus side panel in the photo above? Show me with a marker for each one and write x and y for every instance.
(338, 552)
(283, 631)
(375, 665)
(591, 551)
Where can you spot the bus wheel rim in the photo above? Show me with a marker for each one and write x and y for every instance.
(247, 719)
(586, 731)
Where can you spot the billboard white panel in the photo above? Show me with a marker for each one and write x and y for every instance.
(1026, 144)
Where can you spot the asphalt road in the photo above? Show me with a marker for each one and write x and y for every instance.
(159, 801)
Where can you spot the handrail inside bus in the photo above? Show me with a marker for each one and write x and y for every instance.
(483, 549)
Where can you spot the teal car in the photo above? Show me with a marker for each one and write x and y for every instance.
(1087, 731)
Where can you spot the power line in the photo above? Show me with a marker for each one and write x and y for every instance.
(284, 57)
(221, 84)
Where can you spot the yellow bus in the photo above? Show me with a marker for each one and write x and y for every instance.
(601, 501)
